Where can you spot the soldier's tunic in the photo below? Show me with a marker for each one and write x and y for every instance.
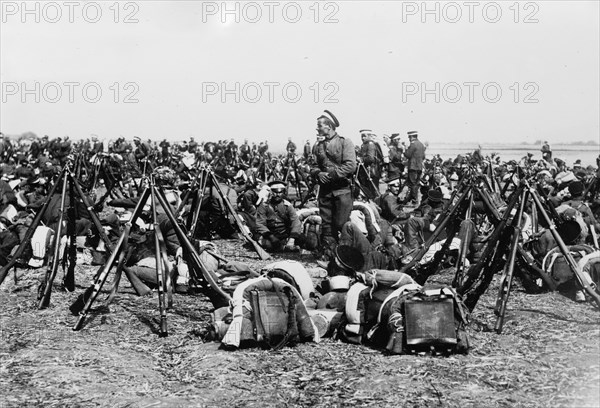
(395, 167)
(415, 155)
(391, 208)
(280, 220)
(335, 156)
(373, 159)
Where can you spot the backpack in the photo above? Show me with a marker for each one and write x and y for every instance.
(312, 232)
(393, 312)
(568, 213)
(264, 312)
(364, 300)
(555, 264)
(414, 320)
(294, 273)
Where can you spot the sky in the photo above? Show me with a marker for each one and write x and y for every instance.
(487, 72)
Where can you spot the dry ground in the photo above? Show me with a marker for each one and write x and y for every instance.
(548, 356)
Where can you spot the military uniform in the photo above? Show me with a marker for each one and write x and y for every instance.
(307, 151)
(336, 157)
(372, 158)
(396, 165)
(415, 155)
(291, 147)
(392, 208)
(276, 223)
(245, 153)
(419, 228)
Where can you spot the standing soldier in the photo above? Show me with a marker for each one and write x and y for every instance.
(307, 150)
(142, 150)
(245, 152)
(334, 168)
(291, 147)
(231, 153)
(97, 145)
(164, 150)
(415, 155)
(192, 145)
(3, 147)
(396, 165)
(546, 151)
(35, 149)
(372, 157)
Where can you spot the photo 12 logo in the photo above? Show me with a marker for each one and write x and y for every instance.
(469, 11)
(69, 11)
(270, 11)
(271, 92)
(470, 92)
(71, 92)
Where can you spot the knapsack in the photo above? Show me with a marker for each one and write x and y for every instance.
(364, 299)
(556, 265)
(265, 312)
(294, 273)
(417, 321)
(404, 318)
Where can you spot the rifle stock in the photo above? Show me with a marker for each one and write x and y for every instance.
(30, 231)
(160, 270)
(94, 289)
(71, 253)
(262, 254)
(470, 289)
(53, 269)
(187, 245)
(448, 214)
(507, 276)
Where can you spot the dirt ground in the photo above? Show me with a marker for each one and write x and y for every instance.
(547, 356)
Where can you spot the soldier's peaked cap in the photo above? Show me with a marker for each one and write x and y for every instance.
(349, 258)
(413, 133)
(332, 118)
(277, 185)
(393, 181)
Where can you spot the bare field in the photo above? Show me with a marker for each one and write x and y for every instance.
(547, 356)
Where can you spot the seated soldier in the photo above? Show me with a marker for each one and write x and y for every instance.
(277, 222)
(576, 222)
(576, 190)
(390, 204)
(142, 259)
(420, 227)
(371, 236)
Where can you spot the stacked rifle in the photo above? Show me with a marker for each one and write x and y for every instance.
(503, 250)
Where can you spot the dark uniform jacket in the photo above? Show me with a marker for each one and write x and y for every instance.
(280, 220)
(336, 157)
(396, 166)
(307, 150)
(372, 157)
(415, 155)
(391, 208)
(584, 209)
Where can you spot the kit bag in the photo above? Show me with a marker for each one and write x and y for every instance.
(556, 265)
(265, 312)
(294, 273)
(413, 320)
(364, 301)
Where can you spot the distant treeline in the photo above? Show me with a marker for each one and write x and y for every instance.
(576, 143)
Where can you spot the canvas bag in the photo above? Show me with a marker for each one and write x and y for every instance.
(268, 313)
(413, 320)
